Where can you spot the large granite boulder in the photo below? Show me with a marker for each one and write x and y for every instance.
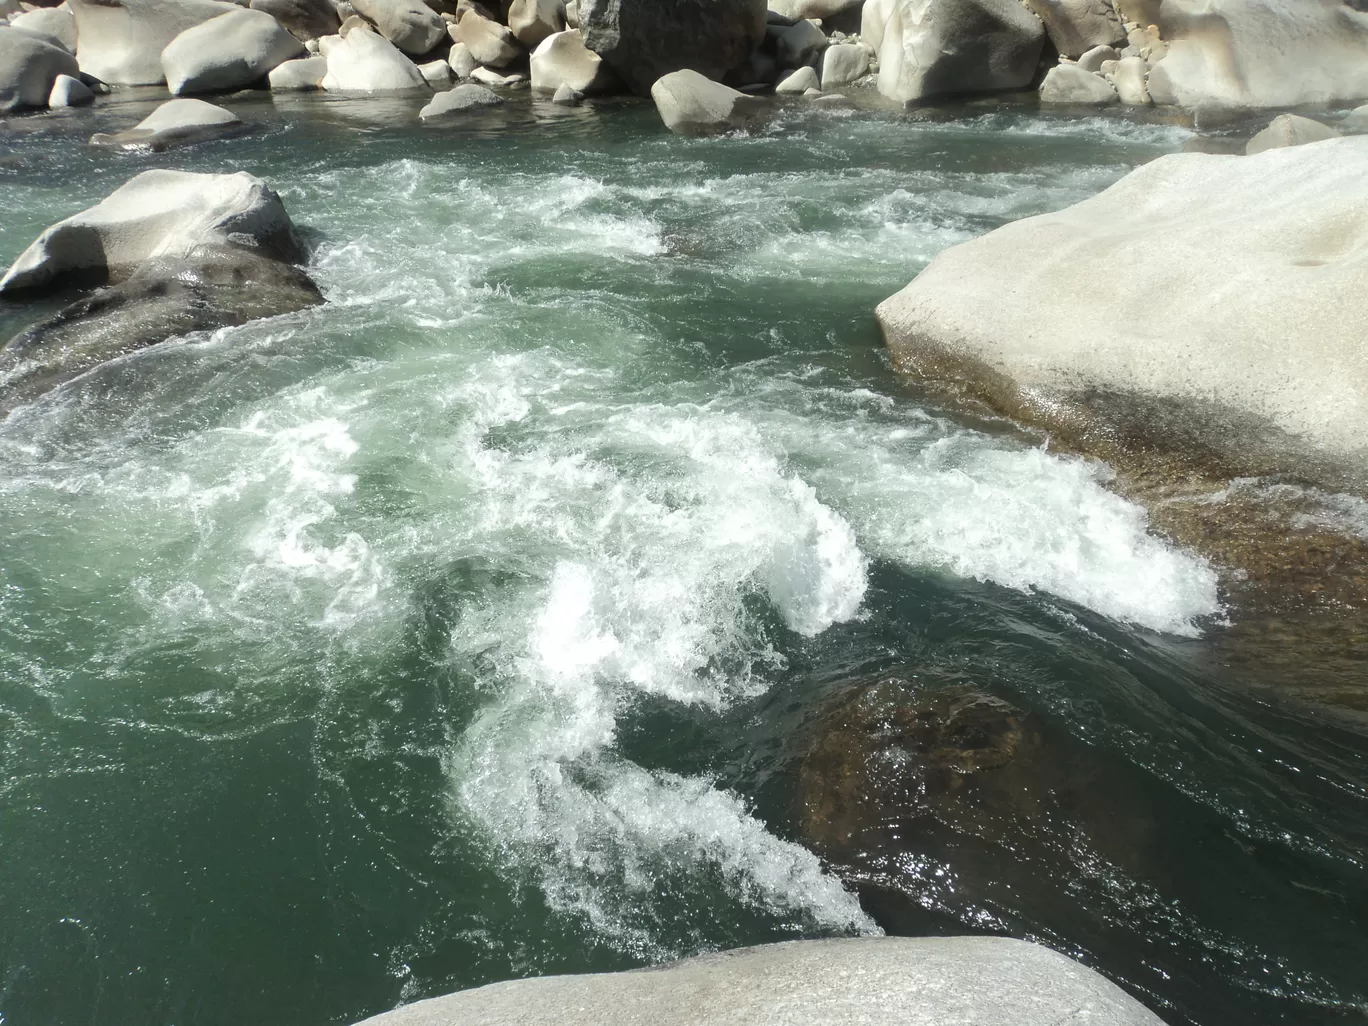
(1076, 26)
(563, 60)
(57, 22)
(691, 104)
(1209, 304)
(871, 981)
(175, 123)
(228, 52)
(1261, 53)
(643, 40)
(304, 19)
(29, 65)
(363, 62)
(411, 25)
(179, 252)
(121, 41)
(531, 21)
(932, 48)
(490, 43)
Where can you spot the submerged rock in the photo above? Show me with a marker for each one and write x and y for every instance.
(691, 104)
(29, 66)
(462, 98)
(1289, 130)
(946, 47)
(644, 40)
(228, 52)
(872, 981)
(121, 41)
(175, 123)
(179, 251)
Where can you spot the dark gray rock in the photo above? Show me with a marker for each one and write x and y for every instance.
(304, 19)
(29, 65)
(645, 39)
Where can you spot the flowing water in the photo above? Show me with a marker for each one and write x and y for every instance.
(475, 624)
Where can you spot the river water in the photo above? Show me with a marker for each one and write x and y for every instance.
(475, 624)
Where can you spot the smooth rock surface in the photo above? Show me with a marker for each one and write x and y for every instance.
(57, 22)
(1069, 83)
(945, 47)
(844, 63)
(1356, 120)
(871, 981)
(69, 92)
(1261, 53)
(437, 74)
(303, 74)
(798, 10)
(1076, 26)
(462, 98)
(562, 60)
(364, 62)
(304, 19)
(1130, 79)
(1231, 318)
(121, 41)
(692, 104)
(873, 17)
(174, 123)
(462, 61)
(799, 82)
(490, 43)
(411, 25)
(531, 21)
(643, 40)
(1289, 130)
(29, 66)
(1097, 56)
(228, 52)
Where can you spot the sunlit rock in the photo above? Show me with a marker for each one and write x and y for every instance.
(228, 52)
(29, 65)
(121, 41)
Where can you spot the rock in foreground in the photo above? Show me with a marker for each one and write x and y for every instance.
(1202, 301)
(691, 104)
(894, 981)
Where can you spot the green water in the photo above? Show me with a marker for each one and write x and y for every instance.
(474, 625)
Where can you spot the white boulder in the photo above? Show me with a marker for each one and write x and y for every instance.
(799, 82)
(1076, 26)
(462, 61)
(844, 63)
(228, 52)
(1069, 83)
(364, 62)
(69, 92)
(1261, 53)
(1289, 130)
(873, 17)
(121, 41)
(1229, 287)
(1356, 120)
(411, 25)
(693, 104)
(531, 21)
(303, 74)
(490, 43)
(462, 98)
(174, 123)
(158, 214)
(437, 74)
(29, 65)
(1097, 56)
(866, 981)
(1130, 78)
(562, 59)
(937, 47)
(57, 22)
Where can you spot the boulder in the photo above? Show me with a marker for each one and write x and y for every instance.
(228, 52)
(1129, 78)
(121, 41)
(490, 43)
(844, 63)
(799, 82)
(437, 74)
(531, 21)
(1069, 83)
(1230, 322)
(57, 22)
(1076, 26)
(1261, 53)
(1356, 120)
(563, 60)
(946, 47)
(799, 10)
(29, 65)
(1097, 56)
(364, 62)
(180, 252)
(490, 77)
(873, 17)
(69, 92)
(411, 25)
(799, 44)
(174, 123)
(1289, 130)
(874, 981)
(692, 104)
(567, 97)
(303, 74)
(456, 101)
(304, 19)
(643, 40)
(462, 61)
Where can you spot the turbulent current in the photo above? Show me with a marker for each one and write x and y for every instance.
(474, 624)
